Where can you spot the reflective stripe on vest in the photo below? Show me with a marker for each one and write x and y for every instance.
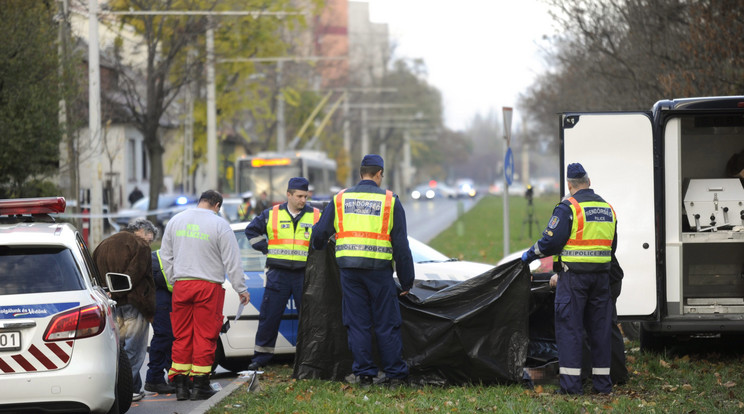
(162, 272)
(363, 224)
(286, 242)
(592, 232)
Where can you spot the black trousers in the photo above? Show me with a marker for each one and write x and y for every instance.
(618, 370)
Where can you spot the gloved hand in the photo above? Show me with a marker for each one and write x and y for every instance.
(525, 256)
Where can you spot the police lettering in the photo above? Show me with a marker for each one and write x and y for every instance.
(598, 214)
(365, 207)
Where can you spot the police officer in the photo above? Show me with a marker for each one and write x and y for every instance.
(244, 211)
(582, 237)
(283, 234)
(162, 333)
(370, 228)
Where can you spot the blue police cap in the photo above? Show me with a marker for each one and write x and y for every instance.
(575, 170)
(298, 183)
(373, 160)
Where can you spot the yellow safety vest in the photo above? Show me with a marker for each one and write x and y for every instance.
(363, 224)
(285, 242)
(589, 248)
(162, 272)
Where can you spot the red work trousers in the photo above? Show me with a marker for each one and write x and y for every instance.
(196, 319)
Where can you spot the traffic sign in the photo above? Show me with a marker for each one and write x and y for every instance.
(509, 166)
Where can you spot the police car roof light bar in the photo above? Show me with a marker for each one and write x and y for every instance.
(41, 205)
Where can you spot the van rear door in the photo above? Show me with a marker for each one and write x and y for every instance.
(616, 149)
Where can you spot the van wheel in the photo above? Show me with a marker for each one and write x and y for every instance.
(123, 392)
(631, 330)
(651, 342)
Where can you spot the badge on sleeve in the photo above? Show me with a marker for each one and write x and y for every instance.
(553, 222)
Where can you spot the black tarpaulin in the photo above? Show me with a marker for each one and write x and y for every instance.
(473, 331)
(322, 348)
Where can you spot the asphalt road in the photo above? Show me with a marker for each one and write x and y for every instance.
(425, 220)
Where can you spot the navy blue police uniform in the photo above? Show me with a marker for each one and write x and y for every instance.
(582, 298)
(284, 279)
(370, 301)
(162, 332)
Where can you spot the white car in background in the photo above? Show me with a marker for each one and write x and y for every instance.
(59, 343)
(236, 346)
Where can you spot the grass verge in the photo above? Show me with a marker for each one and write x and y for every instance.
(692, 377)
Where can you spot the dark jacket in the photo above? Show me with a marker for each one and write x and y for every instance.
(127, 253)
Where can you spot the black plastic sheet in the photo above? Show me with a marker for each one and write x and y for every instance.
(472, 331)
(453, 333)
(322, 346)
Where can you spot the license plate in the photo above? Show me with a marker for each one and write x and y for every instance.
(10, 341)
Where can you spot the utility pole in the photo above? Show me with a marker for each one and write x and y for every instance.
(211, 114)
(94, 128)
(508, 173)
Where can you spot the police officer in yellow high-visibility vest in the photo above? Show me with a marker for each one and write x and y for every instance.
(283, 234)
(370, 228)
(582, 237)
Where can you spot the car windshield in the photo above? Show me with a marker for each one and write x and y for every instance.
(423, 253)
(230, 209)
(37, 270)
(251, 259)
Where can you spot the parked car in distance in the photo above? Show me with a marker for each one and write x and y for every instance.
(465, 188)
(59, 342)
(168, 206)
(433, 190)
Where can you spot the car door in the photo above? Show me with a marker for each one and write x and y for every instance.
(616, 149)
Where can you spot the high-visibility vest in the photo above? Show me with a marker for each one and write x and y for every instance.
(589, 248)
(287, 243)
(363, 224)
(162, 272)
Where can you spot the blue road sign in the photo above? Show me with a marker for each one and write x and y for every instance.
(509, 166)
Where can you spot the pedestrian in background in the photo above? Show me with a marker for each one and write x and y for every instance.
(135, 195)
(370, 228)
(263, 202)
(198, 249)
(582, 237)
(129, 252)
(162, 333)
(282, 233)
(245, 209)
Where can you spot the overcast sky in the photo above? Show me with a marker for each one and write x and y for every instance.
(480, 53)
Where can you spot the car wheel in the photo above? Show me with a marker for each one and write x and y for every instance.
(123, 385)
(231, 364)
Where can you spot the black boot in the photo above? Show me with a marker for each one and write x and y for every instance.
(202, 389)
(182, 387)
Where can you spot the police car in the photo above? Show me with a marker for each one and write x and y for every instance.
(236, 346)
(59, 344)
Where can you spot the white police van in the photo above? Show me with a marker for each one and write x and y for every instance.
(680, 212)
(59, 343)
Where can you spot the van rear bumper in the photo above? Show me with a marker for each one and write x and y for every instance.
(697, 324)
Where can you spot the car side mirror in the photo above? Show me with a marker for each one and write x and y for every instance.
(118, 282)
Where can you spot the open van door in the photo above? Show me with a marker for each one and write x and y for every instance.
(616, 149)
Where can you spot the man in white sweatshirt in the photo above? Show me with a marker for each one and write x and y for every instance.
(198, 249)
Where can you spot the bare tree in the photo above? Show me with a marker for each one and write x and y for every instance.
(628, 54)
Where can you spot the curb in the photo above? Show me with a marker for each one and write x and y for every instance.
(216, 398)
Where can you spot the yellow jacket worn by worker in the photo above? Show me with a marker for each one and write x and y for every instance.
(287, 243)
